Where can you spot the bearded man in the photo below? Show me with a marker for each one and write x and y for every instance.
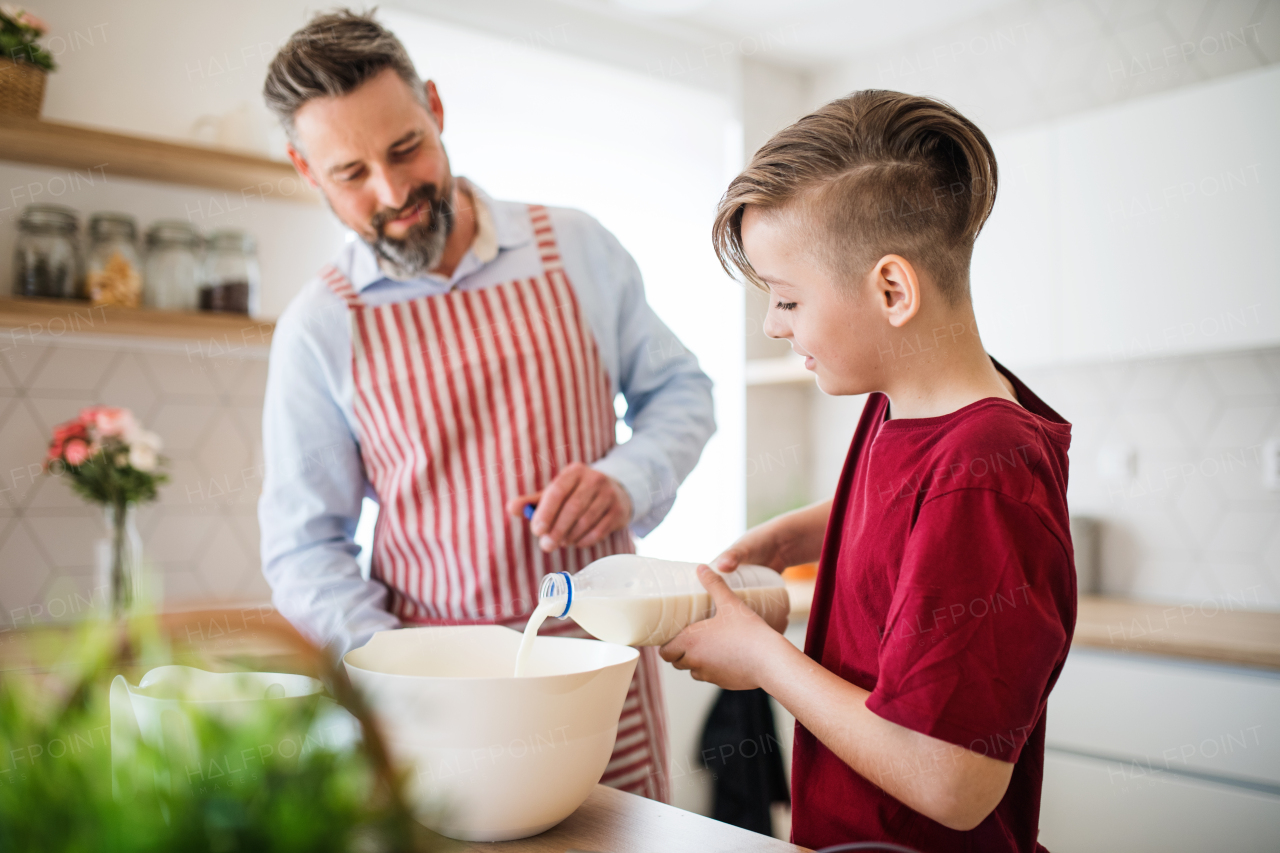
(458, 363)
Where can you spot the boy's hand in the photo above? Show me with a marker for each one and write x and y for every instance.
(758, 546)
(791, 538)
(732, 648)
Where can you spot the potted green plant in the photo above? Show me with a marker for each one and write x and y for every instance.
(23, 62)
(112, 461)
(61, 789)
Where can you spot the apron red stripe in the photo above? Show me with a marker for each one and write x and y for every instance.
(384, 560)
(447, 575)
(567, 444)
(520, 411)
(498, 487)
(483, 497)
(424, 581)
(547, 427)
(463, 461)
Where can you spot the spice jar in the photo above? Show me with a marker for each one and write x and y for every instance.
(172, 267)
(230, 281)
(46, 256)
(114, 277)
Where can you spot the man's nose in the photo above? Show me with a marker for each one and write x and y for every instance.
(391, 190)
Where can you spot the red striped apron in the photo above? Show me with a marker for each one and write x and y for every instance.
(463, 401)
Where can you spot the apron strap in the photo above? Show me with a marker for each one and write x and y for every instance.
(339, 284)
(545, 236)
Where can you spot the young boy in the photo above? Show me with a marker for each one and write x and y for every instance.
(946, 592)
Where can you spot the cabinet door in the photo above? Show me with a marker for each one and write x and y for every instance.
(1150, 753)
(1166, 714)
(1016, 274)
(1140, 230)
(1093, 806)
(1169, 220)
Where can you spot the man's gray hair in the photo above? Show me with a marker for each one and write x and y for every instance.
(331, 56)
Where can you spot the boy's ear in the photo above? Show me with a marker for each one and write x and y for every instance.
(897, 289)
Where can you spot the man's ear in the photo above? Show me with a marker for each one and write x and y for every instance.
(897, 289)
(434, 104)
(300, 163)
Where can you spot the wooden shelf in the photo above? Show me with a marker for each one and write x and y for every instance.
(47, 320)
(100, 153)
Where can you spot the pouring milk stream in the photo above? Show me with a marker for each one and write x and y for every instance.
(641, 601)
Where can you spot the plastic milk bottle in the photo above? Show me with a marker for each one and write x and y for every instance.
(642, 601)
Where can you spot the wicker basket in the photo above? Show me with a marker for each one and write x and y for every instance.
(21, 88)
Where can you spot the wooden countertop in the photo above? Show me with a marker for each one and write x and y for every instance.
(1210, 631)
(618, 822)
(1216, 631)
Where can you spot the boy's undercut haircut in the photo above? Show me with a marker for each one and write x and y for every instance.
(332, 56)
(872, 174)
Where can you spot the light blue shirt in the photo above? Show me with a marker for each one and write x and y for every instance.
(315, 480)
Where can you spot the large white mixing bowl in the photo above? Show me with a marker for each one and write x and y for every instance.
(493, 757)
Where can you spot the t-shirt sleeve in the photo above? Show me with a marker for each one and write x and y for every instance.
(978, 624)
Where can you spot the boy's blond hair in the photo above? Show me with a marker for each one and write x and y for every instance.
(871, 174)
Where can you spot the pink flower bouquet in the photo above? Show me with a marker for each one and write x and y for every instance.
(109, 457)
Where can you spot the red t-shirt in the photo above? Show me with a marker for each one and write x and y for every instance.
(947, 588)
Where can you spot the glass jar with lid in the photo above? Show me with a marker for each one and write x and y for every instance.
(172, 269)
(230, 280)
(46, 256)
(114, 274)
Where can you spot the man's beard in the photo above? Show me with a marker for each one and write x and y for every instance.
(422, 245)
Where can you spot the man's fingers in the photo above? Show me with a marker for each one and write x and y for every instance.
(602, 506)
(553, 497)
(610, 522)
(579, 502)
(516, 506)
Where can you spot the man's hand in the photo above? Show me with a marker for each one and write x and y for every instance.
(730, 649)
(580, 507)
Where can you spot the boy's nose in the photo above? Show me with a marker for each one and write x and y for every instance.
(774, 327)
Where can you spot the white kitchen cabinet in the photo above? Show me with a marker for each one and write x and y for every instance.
(1144, 229)
(1091, 806)
(1016, 275)
(1149, 753)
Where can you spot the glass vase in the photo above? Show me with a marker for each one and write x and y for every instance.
(120, 558)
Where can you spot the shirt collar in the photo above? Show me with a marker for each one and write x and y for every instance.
(500, 225)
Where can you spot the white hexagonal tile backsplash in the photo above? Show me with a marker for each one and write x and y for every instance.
(1195, 520)
(208, 413)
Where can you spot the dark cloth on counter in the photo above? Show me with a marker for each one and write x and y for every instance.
(740, 746)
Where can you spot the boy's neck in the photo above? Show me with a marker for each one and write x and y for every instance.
(945, 372)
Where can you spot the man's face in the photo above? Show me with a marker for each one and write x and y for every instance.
(376, 155)
(835, 325)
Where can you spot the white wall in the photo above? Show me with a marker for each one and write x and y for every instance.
(1025, 62)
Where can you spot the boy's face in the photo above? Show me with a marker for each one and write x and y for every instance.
(835, 325)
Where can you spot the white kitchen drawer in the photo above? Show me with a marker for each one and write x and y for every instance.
(1163, 714)
(1094, 806)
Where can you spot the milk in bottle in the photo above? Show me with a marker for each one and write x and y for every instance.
(643, 601)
